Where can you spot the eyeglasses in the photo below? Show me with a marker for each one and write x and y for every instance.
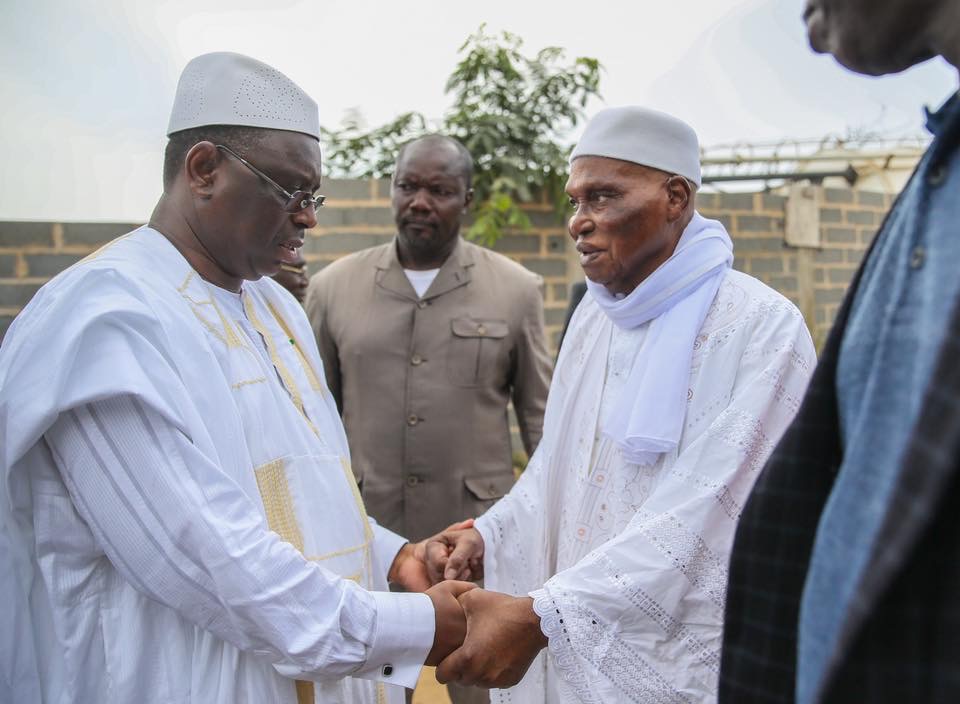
(296, 201)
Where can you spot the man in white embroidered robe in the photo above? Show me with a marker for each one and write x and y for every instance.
(178, 517)
(676, 377)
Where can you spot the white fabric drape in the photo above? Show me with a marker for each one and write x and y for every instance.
(627, 562)
(177, 512)
(676, 297)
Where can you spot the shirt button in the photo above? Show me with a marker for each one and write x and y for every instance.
(917, 257)
(413, 480)
(937, 175)
(412, 419)
(416, 360)
(421, 304)
(481, 330)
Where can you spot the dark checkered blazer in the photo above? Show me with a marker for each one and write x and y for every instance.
(900, 642)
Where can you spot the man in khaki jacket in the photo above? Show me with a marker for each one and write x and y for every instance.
(424, 341)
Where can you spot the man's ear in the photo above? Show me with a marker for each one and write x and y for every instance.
(468, 199)
(679, 196)
(200, 167)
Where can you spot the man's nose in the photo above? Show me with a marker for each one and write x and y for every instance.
(580, 224)
(306, 217)
(420, 200)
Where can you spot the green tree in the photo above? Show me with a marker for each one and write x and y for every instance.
(513, 112)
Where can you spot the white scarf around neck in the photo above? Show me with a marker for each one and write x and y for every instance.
(647, 419)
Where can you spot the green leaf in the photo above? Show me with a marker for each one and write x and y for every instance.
(511, 110)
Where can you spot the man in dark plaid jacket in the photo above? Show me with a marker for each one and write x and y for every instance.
(845, 574)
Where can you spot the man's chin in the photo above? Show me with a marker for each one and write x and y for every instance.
(422, 241)
(851, 53)
(882, 65)
(597, 274)
(600, 279)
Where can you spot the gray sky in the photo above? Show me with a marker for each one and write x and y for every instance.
(87, 86)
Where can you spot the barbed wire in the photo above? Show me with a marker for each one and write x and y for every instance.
(851, 156)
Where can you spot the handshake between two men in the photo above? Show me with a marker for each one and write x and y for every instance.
(482, 638)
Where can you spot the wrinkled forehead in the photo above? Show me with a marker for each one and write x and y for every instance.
(586, 171)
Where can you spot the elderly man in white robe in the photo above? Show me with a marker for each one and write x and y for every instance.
(178, 517)
(676, 378)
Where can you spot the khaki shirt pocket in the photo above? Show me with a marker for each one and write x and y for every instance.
(475, 350)
(485, 491)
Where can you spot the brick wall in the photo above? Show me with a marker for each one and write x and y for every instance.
(358, 215)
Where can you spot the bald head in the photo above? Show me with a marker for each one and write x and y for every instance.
(439, 144)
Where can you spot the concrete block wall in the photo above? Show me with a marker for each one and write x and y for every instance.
(849, 222)
(31, 253)
(358, 215)
(815, 279)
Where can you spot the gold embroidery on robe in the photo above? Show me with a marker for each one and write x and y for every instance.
(278, 503)
(248, 382)
(229, 335)
(285, 376)
(102, 250)
(307, 367)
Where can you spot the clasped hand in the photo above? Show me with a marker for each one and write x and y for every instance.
(456, 553)
(503, 637)
(501, 633)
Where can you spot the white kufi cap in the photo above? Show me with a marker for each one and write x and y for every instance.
(232, 89)
(645, 137)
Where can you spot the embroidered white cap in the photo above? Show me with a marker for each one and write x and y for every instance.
(643, 136)
(223, 88)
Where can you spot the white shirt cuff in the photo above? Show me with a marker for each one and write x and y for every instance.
(386, 545)
(402, 639)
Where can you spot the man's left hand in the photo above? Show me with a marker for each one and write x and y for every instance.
(503, 638)
(409, 568)
(408, 571)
